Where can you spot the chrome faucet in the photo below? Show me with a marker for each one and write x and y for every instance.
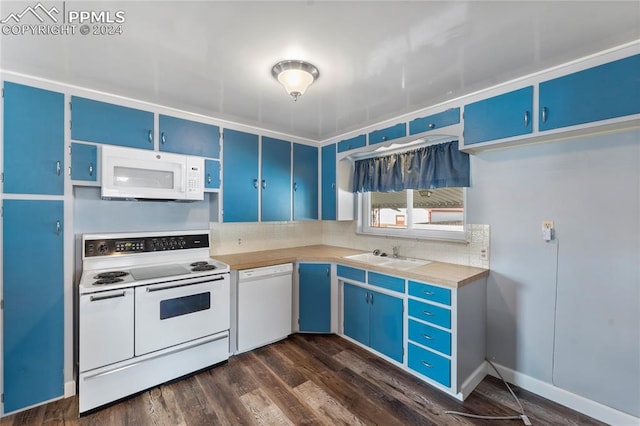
(395, 251)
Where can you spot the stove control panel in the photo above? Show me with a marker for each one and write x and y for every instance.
(120, 246)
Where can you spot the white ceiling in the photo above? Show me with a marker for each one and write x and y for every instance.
(377, 60)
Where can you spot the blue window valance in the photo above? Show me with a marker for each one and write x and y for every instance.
(434, 166)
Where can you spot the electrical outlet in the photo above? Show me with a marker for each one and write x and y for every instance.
(239, 241)
(547, 224)
(484, 253)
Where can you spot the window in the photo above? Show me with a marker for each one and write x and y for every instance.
(434, 213)
(392, 199)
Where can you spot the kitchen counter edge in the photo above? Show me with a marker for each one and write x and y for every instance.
(446, 274)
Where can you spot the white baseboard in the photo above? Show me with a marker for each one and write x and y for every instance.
(472, 381)
(69, 388)
(575, 402)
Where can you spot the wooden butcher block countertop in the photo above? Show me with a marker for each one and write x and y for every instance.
(447, 274)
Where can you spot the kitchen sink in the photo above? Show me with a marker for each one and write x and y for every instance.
(402, 263)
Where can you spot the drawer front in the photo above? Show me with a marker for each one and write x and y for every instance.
(353, 143)
(390, 133)
(386, 281)
(435, 121)
(431, 337)
(430, 292)
(351, 273)
(429, 364)
(430, 313)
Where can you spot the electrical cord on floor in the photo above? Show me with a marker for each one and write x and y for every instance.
(522, 415)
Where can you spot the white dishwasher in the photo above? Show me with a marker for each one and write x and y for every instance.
(264, 305)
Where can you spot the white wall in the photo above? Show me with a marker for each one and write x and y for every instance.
(566, 312)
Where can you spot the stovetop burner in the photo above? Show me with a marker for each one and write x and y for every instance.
(111, 274)
(103, 281)
(203, 262)
(204, 266)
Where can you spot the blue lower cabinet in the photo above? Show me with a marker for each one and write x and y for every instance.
(385, 323)
(84, 162)
(374, 319)
(431, 337)
(430, 313)
(430, 364)
(356, 313)
(350, 273)
(314, 284)
(386, 281)
(33, 315)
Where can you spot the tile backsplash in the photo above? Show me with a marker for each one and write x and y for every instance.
(230, 238)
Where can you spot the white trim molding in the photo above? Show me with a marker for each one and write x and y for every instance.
(568, 399)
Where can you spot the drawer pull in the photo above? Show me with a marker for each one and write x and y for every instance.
(428, 293)
(426, 364)
(427, 313)
(426, 336)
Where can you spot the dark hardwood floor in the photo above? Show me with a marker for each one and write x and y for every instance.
(305, 379)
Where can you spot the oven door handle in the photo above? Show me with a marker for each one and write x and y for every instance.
(152, 289)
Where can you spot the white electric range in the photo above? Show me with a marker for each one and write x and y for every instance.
(152, 307)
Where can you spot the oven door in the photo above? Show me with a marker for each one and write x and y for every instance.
(175, 312)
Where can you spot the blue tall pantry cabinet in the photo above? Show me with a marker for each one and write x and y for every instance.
(33, 296)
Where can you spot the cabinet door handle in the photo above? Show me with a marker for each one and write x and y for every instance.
(384, 138)
(333, 185)
(264, 184)
(58, 226)
(427, 313)
(111, 296)
(208, 177)
(366, 297)
(526, 119)
(255, 183)
(426, 364)
(58, 167)
(295, 186)
(432, 126)
(90, 169)
(544, 114)
(371, 299)
(428, 293)
(328, 271)
(163, 138)
(426, 336)
(150, 136)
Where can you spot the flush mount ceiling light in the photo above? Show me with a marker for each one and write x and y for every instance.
(295, 76)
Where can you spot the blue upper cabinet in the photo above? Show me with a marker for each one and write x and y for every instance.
(435, 121)
(599, 93)
(33, 140)
(352, 143)
(388, 134)
(502, 116)
(212, 174)
(276, 180)
(189, 137)
(84, 162)
(33, 314)
(95, 121)
(314, 297)
(240, 177)
(329, 182)
(305, 182)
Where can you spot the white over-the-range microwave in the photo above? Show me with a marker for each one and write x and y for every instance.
(129, 173)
